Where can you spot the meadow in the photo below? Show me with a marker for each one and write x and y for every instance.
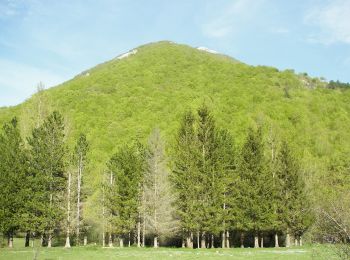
(97, 252)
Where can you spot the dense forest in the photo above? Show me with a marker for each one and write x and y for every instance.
(212, 189)
(176, 146)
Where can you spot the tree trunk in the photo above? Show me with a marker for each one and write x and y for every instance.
(33, 238)
(223, 239)
(85, 240)
(228, 239)
(300, 241)
(10, 240)
(129, 242)
(189, 243)
(67, 245)
(212, 241)
(26, 244)
(256, 241)
(262, 241)
(110, 240)
(198, 245)
(203, 240)
(276, 240)
(139, 233)
(242, 239)
(49, 240)
(155, 241)
(295, 241)
(121, 242)
(68, 210)
(78, 201)
(287, 239)
(103, 239)
(42, 241)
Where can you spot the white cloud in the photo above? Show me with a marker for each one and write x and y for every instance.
(18, 81)
(334, 21)
(230, 18)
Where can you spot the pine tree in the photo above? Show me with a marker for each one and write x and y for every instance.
(12, 180)
(48, 174)
(184, 177)
(256, 184)
(126, 168)
(293, 210)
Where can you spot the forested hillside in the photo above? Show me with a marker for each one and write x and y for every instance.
(117, 104)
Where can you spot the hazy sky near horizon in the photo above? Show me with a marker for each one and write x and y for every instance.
(51, 41)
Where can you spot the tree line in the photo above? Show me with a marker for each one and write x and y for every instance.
(204, 191)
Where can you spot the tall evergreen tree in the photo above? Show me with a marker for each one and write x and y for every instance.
(256, 184)
(12, 180)
(126, 168)
(184, 177)
(48, 174)
(293, 208)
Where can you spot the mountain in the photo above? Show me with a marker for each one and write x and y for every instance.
(154, 84)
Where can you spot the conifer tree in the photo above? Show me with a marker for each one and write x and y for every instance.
(12, 180)
(185, 177)
(48, 174)
(256, 186)
(293, 210)
(126, 168)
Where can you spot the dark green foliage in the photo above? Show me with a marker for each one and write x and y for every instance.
(293, 211)
(13, 162)
(47, 156)
(123, 197)
(337, 84)
(255, 184)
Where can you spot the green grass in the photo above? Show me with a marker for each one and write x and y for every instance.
(97, 252)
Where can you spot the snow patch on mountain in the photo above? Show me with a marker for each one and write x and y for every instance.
(127, 54)
(207, 50)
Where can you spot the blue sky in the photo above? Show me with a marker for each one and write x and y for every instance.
(51, 41)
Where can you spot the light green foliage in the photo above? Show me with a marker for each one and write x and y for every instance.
(124, 98)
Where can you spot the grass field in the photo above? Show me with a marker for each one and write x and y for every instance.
(97, 252)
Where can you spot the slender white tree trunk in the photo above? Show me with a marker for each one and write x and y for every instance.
(85, 240)
(129, 240)
(110, 240)
(139, 232)
(212, 241)
(121, 242)
(276, 240)
(300, 241)
(68, 210)
(287, 239)
(49, 240)
(203, 240)
(10, 240)
(256, 241)
(223, 239)
(155, 241)
(228, 239)
(198, 238)
(262, 241)
(78, 198)
(295, 240)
